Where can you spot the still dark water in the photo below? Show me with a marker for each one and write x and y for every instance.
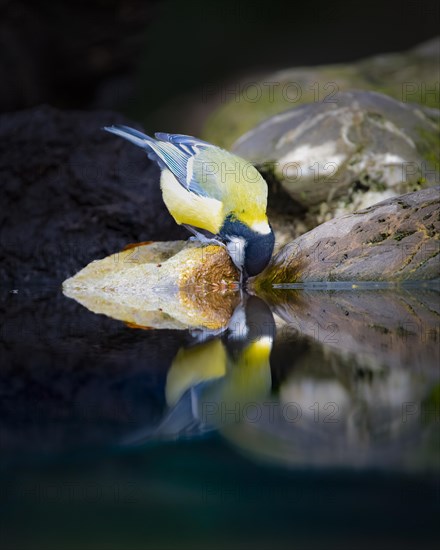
(312, 423)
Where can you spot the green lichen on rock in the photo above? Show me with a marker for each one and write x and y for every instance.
(399, 235)
(428, 145)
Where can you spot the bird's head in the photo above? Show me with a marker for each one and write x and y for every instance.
(250, 248)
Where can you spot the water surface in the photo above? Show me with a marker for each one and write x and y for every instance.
(311, 422)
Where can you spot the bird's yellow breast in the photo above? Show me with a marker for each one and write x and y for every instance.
(189, 208)
(194, 365)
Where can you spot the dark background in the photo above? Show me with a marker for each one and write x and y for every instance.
(138, 56)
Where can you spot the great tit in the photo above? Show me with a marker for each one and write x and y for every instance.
(241, 357)
(231, 373)
(219, 197)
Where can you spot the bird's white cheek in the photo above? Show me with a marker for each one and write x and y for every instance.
(236, 247)
(261, 227)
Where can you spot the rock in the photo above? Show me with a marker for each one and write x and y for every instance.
(395, 240)
(71, 194)
(411, 77)
(334, 158)
(162, 285)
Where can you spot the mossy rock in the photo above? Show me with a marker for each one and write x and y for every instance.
(395, 240)
(334, 158)
(411, 77)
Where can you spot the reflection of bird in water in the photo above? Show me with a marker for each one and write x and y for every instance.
(216, 382)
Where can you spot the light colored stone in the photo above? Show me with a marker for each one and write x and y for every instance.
(412, 77)
(171, 285)
(334, 158)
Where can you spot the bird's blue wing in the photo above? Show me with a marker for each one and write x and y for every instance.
(171, 151)
(186, 143)
(178, 150)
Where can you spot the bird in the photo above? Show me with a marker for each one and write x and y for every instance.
(219, 197)
(211, 384)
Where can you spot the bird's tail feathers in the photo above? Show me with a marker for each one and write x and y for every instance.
(130, 134)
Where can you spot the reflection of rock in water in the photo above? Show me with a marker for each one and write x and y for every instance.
(327, 416)
(362, 415)
(346, 381)
(160, 285)
(377, 329)
(352, 402)
(360, 393)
